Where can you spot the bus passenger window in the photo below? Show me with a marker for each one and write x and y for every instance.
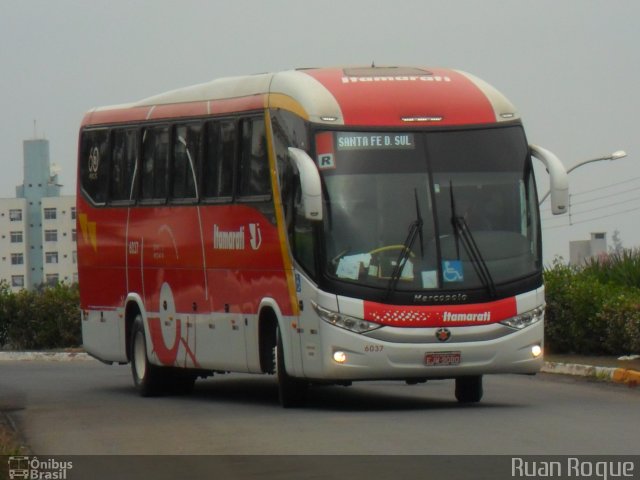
(220, 140)
(124, 159)
(186, 157)
(254, 165)
(94, 164)
(155, 147)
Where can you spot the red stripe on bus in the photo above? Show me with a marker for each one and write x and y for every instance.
(440, 316)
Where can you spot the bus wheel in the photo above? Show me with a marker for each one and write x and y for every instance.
(292, 392)
(469, 389)
(146, 377)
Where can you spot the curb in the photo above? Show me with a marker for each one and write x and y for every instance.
(628, 377)
(615, 375)
(45, 356)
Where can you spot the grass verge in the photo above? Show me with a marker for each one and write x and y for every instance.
(9, 441)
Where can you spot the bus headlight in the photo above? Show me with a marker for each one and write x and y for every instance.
(525, 319)
(352, 324)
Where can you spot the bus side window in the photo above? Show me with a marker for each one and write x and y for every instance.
(94, 164)
(217, 171)
(186, 158)
(155, 156)
(254, 179)
(124, 159)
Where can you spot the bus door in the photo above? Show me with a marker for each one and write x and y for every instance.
(308, 346)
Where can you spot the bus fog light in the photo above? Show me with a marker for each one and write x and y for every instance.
(536, 351)
(339, 357)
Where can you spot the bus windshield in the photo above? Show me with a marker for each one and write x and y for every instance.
(420, 211)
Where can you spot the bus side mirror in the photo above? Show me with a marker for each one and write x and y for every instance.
(309, 183)
(558, 181)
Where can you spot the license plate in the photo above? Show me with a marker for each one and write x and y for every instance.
(442, 359)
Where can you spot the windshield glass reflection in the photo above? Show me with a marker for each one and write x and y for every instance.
(375, 187)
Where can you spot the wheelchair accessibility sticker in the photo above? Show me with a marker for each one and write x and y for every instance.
(452, 271)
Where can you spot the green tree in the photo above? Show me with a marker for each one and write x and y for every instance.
(48, 317)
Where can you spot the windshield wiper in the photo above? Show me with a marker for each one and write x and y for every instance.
(462, 232)
(415, 230)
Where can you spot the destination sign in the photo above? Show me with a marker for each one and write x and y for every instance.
(375, 141)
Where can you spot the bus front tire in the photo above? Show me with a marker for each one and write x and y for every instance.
(469, 389)
(292, 392)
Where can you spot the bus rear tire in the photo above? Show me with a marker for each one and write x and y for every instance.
(292, 392)
(147, 378)
(469, 389)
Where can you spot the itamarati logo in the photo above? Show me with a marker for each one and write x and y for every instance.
(397, 78)
(235, 239)
(33, 468)
(466, 317)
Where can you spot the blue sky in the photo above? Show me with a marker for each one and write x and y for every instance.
(571, 67)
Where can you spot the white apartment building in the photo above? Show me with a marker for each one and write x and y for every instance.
(38, 239)
(59, 239)
(580, 251)
(13, 242)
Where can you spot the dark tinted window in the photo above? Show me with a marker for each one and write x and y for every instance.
(94, 164)
(186, 158)
(289, 130)
(253, 172)
(496, 150)
(218, 162)
(123, 164)
(155, 148)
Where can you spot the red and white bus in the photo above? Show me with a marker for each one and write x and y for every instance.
(323, 225)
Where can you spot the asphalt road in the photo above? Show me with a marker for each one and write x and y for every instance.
(85, 407)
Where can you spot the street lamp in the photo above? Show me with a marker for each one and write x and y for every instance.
(614, 156)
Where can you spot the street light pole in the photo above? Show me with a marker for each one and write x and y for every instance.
(614, 156)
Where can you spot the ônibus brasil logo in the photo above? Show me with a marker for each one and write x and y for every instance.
(33, 468)
(235, 239)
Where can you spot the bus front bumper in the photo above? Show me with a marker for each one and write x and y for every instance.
(347, 356)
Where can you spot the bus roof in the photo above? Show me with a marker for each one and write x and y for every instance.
(353, 96)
